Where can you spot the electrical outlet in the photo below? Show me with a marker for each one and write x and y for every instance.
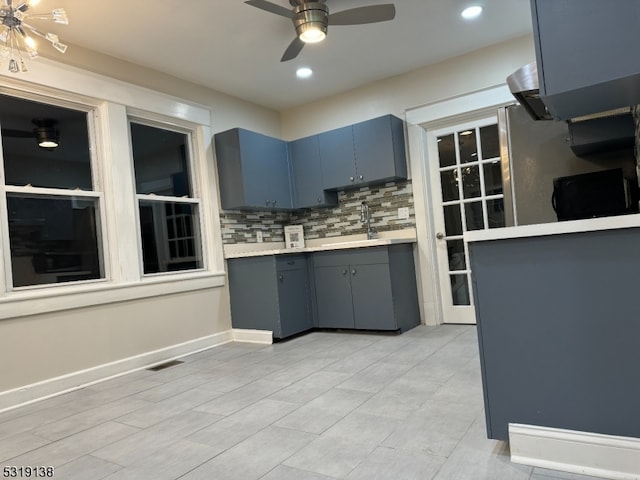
(259, 236)
(403, 213)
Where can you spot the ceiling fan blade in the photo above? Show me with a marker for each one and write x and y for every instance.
(362, 15)
(292, 50)
(10, 132)
(270, 7)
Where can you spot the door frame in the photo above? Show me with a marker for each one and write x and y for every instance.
(421, 121)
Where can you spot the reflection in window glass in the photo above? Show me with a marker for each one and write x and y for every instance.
(471, 181)
(495, 213)
(452, 220)
(53, 239)
(474, 216)
(24, 124)
(170, 239)
(468, 146)
(449, 181)
(447, 151)
(493, 178)
(455, 251)
(460, 290)
(160, 161)
(490, 141)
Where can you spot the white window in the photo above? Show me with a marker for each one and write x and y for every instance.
(51, 200)
(168, 205)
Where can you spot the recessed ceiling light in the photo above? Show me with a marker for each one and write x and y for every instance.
(471, 12)
(304, 72)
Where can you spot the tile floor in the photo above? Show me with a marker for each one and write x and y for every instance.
(318, 407)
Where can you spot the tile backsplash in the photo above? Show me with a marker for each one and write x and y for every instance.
(383, 200)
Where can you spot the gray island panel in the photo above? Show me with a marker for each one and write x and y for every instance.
(559, 331)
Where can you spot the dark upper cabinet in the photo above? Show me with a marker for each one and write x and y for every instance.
(364, 153)
(308, 187)
(585, 55)
(253, 171)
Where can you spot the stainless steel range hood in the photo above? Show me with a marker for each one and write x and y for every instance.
(524, 85)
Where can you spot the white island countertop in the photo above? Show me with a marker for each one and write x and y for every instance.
(241, 250)
(556, 228)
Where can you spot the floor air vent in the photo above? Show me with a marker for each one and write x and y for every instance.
(162, 366)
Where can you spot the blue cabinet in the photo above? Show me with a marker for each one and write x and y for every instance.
(253, 171)
(364, 153)
(308, 186)
(271, 293)
(369, 288)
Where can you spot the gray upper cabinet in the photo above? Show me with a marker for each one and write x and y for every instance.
(365, 153)
(308, 187)
(585, 55)
(253, 171)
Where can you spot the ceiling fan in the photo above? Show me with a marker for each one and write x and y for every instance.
(311, 19)
(45, 133)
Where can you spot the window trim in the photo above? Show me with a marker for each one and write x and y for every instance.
(113, 102)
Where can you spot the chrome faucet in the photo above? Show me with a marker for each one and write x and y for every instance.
(365, 217)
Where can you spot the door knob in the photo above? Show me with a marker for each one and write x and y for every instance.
(439, 235)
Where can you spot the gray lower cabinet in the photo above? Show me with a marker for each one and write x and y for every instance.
(253, 171)
(369, 288)
(270, 293)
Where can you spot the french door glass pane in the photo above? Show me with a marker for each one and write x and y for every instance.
(460, 290)
(490, 142)
(457, 260)
(53, 239)
(447, 151)
(468, 146)
(24, 124)
(495, 213)
(474, 216)
(452, 220)
(449, 180)
(492, 178)
(471, 181)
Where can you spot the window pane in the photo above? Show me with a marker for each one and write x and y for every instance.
(452, 220)
(449, 180)
(160, 161)
(24, 123)
(53, 239)
(495, 213)
(490, 142)
(468, 146)
(455, 250)
(460, 290)
(473, 215)
(166, 245)
(471, 181)
(446, 151)
(492, 178)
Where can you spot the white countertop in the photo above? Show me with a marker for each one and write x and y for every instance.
(318, 245)
(556, 228)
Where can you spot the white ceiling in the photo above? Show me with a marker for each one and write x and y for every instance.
(235, 48)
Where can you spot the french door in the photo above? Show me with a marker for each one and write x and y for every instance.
(466, 186)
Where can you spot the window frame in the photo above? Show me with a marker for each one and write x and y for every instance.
(112, 101)
(7, 287)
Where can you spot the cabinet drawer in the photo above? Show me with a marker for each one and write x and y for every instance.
(356, 256)
(290, 262)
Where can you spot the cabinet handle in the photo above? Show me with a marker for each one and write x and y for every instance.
(353, 272)
(273, 202)
(281, 278)
(291, 262)
(352, 179)
(361, 177)
(344, 271)
(267, 203)
(319, 199)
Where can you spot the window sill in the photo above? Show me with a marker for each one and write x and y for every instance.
(19, 304)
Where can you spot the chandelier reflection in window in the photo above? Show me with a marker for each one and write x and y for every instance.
(17, 34)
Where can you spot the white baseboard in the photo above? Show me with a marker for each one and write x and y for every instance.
(598, 455)
(55, 386)
(252, 336)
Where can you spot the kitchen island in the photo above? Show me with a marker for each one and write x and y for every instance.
(557, 308)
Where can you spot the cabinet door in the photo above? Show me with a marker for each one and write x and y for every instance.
(372, 298)
(265, 170)
(307, 175)
(294, 302)
(379, 149)
(333, 294)
(337, 158)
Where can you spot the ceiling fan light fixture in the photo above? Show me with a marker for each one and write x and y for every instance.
(311, 20)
